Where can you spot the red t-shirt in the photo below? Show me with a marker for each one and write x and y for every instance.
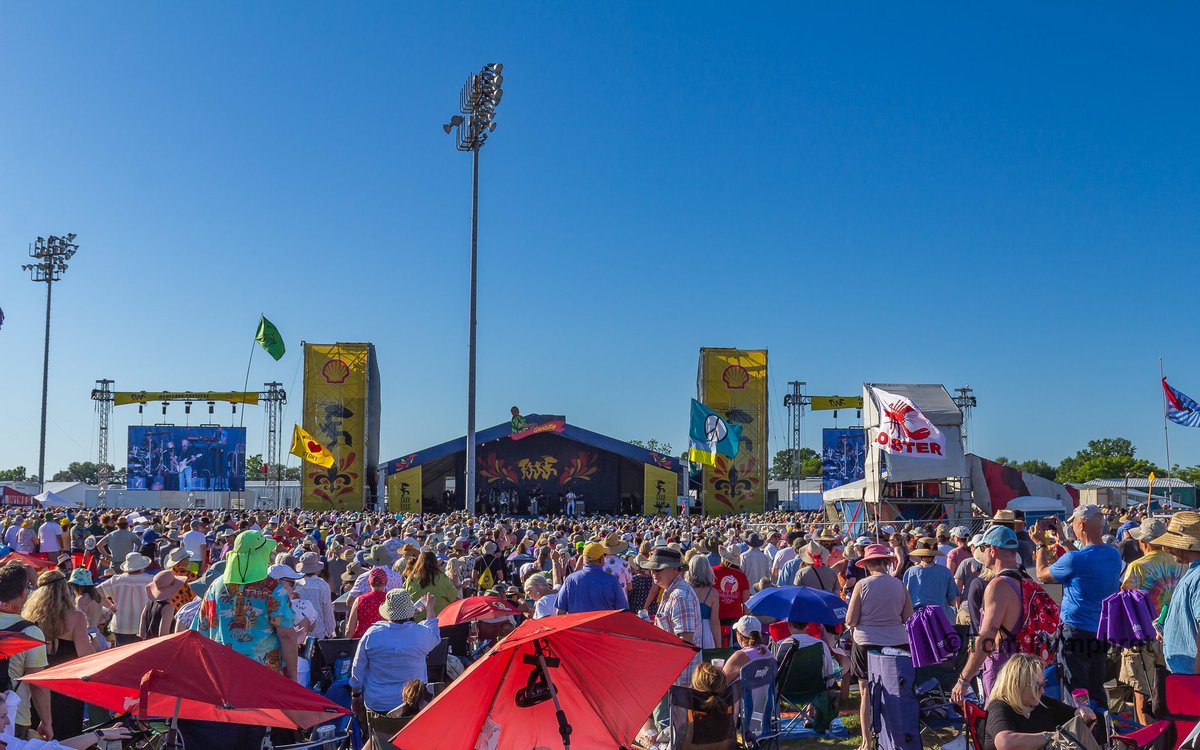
(730, 585)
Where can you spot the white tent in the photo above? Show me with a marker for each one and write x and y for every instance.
(50, 500)
(849, 491)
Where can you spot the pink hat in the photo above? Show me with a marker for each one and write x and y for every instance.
(875, 552)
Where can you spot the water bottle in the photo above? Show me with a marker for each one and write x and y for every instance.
(644, 614)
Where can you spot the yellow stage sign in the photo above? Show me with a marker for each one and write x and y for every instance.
(335, 410)
(122, 398)
(661, 489)
(733, 382)
(404, 491)
(830, 403)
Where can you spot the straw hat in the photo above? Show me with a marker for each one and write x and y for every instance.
(615, 544)
(874, 552)
(1005, 516)
(812, 552)
(164, 585)
(1183, 532)
(922, 552)
(731, 554)
(135, 562)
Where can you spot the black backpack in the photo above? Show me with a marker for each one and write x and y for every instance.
(16, 627)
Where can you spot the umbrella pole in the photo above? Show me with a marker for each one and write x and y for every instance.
(564, 727)
(172, 741)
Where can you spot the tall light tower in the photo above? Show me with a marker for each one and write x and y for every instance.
(477, 104)
(50, 257)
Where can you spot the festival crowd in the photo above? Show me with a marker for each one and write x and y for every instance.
(271, 584)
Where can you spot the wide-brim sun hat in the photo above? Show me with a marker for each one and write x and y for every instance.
(1183, 532)
(310, 562)
(922, 552)
(661, 558)
(874, 552)
(164, 585)
(135, 562)
(615, 544)
(177, 556)
(249, 559)
(398, 606)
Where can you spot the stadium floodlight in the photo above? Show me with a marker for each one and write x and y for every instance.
(477, 102)
(50, 255)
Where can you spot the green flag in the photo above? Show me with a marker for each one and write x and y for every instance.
(269, 339)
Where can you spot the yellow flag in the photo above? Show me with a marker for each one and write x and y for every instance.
(1152, 477)
(304, 446)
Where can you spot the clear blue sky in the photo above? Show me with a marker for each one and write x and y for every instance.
(893, 193)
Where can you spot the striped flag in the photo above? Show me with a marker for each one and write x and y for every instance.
(1181, 409)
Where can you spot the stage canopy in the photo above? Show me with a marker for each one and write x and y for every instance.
(548, 459)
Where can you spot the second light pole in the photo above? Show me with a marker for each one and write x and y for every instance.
(477, 104)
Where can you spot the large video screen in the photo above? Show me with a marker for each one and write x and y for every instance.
(187, 458)
(843, 456)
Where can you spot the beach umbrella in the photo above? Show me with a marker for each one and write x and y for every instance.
(188, 676)
(12, 643)
(476, 608)
(36, 563)
(567, 672)
(798, 604)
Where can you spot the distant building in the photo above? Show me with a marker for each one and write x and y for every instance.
(1122, 492)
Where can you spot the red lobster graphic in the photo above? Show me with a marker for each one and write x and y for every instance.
(899, 412)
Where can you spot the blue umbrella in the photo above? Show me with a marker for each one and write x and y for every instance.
(798, 604)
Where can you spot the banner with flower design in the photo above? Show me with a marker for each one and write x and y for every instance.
(335, 413)
(733, 383)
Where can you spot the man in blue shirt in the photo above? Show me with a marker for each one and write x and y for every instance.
(591, 589)
(1088, 575)
(1183, 611)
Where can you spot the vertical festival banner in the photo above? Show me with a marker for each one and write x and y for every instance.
(335, 413)
(404, 491)
(734, 383)
(661, 489)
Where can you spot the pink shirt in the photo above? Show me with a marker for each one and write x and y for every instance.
(955, 556)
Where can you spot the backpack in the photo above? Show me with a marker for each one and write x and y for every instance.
(486, 580)
(1042, 616)
(5, 680)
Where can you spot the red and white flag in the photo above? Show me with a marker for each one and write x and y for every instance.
(903, 429)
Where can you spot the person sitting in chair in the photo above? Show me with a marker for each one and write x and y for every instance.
(1019, 716)
(749, 634)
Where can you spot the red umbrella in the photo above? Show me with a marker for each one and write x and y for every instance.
(188, 676)
(14, 643)
(476, 608)
(37, 563)
(502, 694)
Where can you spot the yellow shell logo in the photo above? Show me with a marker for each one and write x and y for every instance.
(735, 377)
(335, 372)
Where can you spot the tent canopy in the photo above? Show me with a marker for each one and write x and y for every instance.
(50, 500)
(849, 491)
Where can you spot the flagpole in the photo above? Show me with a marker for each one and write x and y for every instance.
(245, 385)
(1166, 433)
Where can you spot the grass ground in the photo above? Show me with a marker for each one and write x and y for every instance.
(850, 743)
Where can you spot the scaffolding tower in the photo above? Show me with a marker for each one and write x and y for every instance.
(275, 398)
(795, 403)
(102, 394)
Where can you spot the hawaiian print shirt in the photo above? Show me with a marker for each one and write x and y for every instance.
(245, 617)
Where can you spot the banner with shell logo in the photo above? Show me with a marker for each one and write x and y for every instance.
(733, 382)
(336, 414)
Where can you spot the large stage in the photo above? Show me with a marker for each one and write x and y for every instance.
(547, 461)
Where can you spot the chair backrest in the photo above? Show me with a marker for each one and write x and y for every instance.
(801, 672)
(692, 729)
(760, 714)
(779, 630)
(976, 723)
(435, 661)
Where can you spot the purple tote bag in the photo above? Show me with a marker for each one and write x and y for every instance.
(1126, 618)
(931, 637)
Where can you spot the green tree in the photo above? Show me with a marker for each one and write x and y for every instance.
(255, 473)
(1106, 458)
(781, 466)
(17, 474)
(1189, 474)
(1034, 466)
(652, 444)
(79, 471)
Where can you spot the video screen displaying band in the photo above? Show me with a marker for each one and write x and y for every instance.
(187, 458)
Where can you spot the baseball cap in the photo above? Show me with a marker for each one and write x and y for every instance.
(960, 532)
(284, 572)
(595, 551)
(975, 540)
(863, 540)
(1001, 537)
(1150, 528)
(1088, 512)
(748, 624)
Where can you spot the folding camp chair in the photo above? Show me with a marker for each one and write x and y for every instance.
(1182, 699)
(975, 724)
(759, 720)
(435, 661)
(801, 687)
(692, 729)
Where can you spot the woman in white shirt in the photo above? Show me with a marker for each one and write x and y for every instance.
(536, 590)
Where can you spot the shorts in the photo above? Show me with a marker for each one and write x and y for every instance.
(1137, 666)
(858, 658)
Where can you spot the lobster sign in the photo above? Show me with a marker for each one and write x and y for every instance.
(904, 429)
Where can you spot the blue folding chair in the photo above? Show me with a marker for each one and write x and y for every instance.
(759, 720)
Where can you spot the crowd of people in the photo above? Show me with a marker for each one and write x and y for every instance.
(267, 583)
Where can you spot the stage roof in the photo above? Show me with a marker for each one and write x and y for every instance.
(503, 431)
